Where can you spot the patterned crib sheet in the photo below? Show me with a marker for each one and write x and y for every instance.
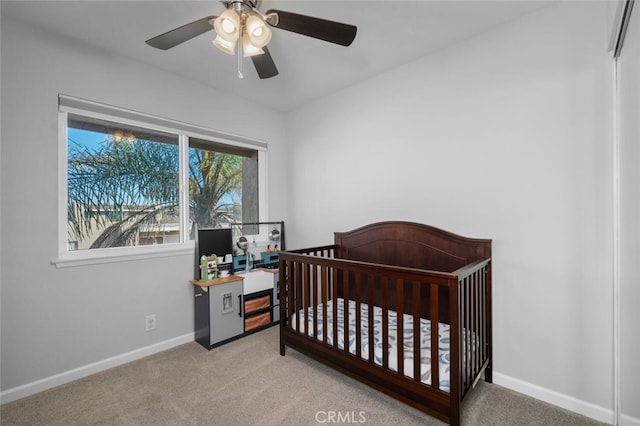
(425, 338)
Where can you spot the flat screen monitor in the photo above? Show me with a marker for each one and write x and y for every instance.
(213, 241)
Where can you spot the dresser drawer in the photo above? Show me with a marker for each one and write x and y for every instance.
(256, 321)
(257, 304)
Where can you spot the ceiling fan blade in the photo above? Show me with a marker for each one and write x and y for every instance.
(331, 31)
(264, 64)
(181, 34)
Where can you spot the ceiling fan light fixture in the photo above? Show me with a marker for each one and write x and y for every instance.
(118, 135)
(243, 26)
(227, 25)
(257, 31)
(228, 47)
(249, 48)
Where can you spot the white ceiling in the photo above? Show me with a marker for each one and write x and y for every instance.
(390, 33)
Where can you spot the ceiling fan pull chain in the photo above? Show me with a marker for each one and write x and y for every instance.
(240, 75)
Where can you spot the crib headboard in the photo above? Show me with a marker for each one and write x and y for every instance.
(411, 245)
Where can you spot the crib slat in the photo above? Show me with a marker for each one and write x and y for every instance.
(345, 300)
(400, 322)
(480, 331)
(473, 327)
(435, 341)
(306, 290)
(469, 334)
(485, 317)
(476, 305)
(483, 322)
(465, 346)
(488, 375)
(463, 315)
(358, 330)
(313, 293)
(474, 335)
(287, 288)
(323, 279)
(485, 314)
(417, 356)
(298, 295)
(468, 330)
(455, 289)
(334, 300)
(385, 321)
(371, 332)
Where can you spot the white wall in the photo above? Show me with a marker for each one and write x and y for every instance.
(629, 83)
(55, 321)
(505, 136)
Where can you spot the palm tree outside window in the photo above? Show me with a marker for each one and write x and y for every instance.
(123, 184)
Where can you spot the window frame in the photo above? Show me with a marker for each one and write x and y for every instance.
(71, 105)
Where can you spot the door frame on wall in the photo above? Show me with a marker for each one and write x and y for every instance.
(619, 31)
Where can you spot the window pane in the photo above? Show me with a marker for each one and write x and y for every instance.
(223, 182)
(122, 185)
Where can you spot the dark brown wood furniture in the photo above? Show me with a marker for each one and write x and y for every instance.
(404, 267)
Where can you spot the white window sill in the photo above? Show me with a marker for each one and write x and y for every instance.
(123, 254)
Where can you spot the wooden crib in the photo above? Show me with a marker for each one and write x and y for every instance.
(387, 283)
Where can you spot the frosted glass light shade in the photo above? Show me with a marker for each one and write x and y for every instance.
(248, 48)
(228, 47)
(258, 32)
(227, 25)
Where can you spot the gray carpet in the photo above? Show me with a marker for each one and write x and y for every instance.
(247, 382)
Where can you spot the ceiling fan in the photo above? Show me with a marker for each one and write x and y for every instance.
(242, 24)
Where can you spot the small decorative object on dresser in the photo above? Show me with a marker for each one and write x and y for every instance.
(403, 307)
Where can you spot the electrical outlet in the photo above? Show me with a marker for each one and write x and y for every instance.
(150, 322)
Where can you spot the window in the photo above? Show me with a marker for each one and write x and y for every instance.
(136, 181)
(222, 184)
(122, 185)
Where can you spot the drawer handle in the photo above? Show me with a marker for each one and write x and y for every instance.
(240, 306)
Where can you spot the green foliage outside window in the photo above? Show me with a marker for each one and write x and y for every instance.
(125, 192)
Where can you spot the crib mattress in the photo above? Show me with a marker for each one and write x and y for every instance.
(366, 340)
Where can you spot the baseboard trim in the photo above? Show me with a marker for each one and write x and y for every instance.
(625, 420)
(87, 370)
(556, 398)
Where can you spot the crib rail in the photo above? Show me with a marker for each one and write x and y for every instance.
(311, 282)
(474, 322)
